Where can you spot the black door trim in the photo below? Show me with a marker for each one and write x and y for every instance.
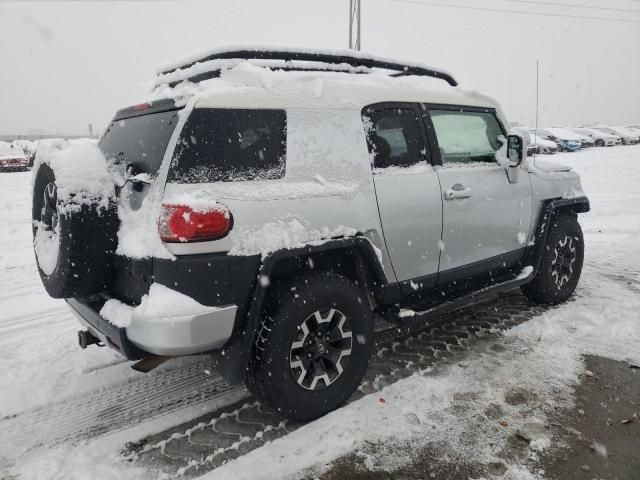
(371, 109)
(432, 138)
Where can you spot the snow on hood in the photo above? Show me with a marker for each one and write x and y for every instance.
(9, 151)
(565, 134)
(547, 166)
(537, 140)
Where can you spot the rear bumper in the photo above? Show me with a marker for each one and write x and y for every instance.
(183, 335)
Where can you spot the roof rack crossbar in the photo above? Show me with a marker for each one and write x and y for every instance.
(334, 59)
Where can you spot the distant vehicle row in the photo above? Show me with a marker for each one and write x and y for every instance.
(564, 139)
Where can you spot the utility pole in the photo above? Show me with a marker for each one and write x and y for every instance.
(354, 22)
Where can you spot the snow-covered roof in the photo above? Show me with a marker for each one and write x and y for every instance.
(252, 84)
(230, 52)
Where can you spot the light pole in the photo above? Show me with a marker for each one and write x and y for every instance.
(354, 22)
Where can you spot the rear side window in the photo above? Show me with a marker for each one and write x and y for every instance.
(224, 145)
(466, 136)
(394, 137)
(140, 141)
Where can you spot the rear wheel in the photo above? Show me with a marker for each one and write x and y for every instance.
(313, 346)
(561, 263)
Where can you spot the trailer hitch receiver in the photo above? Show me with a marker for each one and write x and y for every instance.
(86, 338)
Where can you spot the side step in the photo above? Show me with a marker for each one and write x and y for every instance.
(401, 316)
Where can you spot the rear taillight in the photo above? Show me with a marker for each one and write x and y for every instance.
(180, 223)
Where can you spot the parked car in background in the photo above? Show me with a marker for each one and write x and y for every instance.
(567, 134)
(627, 137)
(564, 143)
(540, 144)
(12, 158)
(600, 139)
(633, 128)
(586, 140)
(29, 147)
(633, 135)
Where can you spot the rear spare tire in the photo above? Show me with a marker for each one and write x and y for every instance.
(73, 241)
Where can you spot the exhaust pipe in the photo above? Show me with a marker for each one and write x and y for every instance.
(149, 363)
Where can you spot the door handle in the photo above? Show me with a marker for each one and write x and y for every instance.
(456, 192)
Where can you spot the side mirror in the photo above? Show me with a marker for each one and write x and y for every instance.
(515, 150)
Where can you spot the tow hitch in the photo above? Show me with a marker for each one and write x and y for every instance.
(85, 338)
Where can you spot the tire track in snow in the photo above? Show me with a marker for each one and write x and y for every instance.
(18, 323)
(208, 442)
(113, 408)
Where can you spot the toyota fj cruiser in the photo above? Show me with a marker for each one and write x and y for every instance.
(269, 204)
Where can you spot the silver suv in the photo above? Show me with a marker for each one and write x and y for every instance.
(270, 204)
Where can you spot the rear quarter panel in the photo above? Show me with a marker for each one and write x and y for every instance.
(327, 192)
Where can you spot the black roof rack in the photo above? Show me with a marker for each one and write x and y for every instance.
(357, 60)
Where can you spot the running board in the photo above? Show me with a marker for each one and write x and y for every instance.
(401, 316)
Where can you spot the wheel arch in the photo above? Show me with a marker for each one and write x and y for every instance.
(354, 257)
(550, 210)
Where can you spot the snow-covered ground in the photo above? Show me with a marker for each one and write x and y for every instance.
(42, 364)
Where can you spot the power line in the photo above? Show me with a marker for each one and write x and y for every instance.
(502, 24)
(521, 12)
(556, 4)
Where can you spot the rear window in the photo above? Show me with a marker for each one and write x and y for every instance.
(140, 141)
(223, 145)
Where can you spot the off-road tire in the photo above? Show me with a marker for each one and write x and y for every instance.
(87, 240)
(552, 288)
(269, 375)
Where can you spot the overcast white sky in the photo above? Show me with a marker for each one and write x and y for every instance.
(66, 64)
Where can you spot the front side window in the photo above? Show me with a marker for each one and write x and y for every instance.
(394, 137)
(228, 145)
(466, 136)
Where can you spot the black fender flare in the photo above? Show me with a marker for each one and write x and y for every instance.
(233, 359)
(550, 209)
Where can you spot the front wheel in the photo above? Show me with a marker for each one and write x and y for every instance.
(599, 143)
(561, 263)
(313, 346)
